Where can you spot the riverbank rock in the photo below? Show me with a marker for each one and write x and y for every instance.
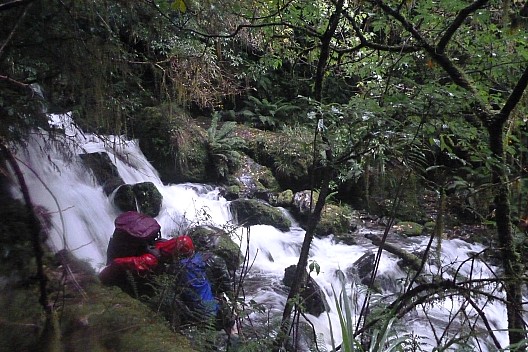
(174, 144)
(313, 297)
(304, 202)
(409, 228)
(87, 316)
(287, 154)
(216, 240)
(250, 212)
(362, 268)
(335, 219)
(254, 180)
(282, 199)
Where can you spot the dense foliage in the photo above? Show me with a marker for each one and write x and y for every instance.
(402, 97)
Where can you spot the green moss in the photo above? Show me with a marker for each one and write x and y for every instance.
(252, 212)
(149, 198)
(267, 179)
(89, 317)
(335, 219)
(288, 155)
(429, 227)
(22, 319)
(282, 199)
(174, 144)
(230, 251)
(16, 251)
(220, 242)
(409, 228)
(110, 320)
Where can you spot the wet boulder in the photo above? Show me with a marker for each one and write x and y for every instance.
(313, 297)
(143, 197)
(255, 180)
(104, 170)
(409, 228)
(250, 212)
(216, 240)
(362, 268)
(174, 144)
(304, 202)
(282, 199)
(335, 219)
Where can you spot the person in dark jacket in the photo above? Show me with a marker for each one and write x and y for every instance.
(133, 273)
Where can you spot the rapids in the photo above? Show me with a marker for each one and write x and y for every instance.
(82, 221)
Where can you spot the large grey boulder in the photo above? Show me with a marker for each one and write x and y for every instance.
(255, 180)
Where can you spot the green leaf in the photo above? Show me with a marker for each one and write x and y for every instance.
(179, 5)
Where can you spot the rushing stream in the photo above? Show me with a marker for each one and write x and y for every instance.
(82, 221)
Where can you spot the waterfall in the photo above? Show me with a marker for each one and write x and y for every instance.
(82, 221)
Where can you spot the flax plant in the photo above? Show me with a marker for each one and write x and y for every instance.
(383, 337)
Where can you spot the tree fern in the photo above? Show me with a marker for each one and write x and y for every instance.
(223, 145)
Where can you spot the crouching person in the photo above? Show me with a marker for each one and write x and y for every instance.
(135, 252)
(205, 282)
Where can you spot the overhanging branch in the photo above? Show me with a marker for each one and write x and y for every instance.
(513, 99)
(456, 75)
(459, 20)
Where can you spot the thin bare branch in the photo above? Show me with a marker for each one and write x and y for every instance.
(486, 322)
(14, 29)
(18, 84)
(15, 3)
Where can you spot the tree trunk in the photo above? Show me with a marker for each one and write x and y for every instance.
(50, 338)
(511, 258)
(328, 173)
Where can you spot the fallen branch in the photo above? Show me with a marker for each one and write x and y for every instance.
(409, 259)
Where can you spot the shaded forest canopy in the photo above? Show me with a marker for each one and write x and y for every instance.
(391, 101)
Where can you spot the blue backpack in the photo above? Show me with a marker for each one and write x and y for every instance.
(198, 294)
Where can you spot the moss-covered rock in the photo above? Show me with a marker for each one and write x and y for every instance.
(429, 227)
(282, 199)
(17, 259)
(143, 197)
(254, 212)
(216, 240)
(335, 219)
(409, 228)
(87, 316)
(110, 320)
(22, 319)
(175, 145)
(313, 298)
(287, 154)
(104, 170)
(254, 180)
(304, 202)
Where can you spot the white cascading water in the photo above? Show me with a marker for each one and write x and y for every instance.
(82, 221)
